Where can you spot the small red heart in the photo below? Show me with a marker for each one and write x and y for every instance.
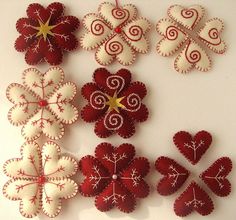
(192, 147)
(193, 198)
(174, 175)
(215, 176)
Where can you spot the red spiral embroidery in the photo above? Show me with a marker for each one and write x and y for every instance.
(97, 27)
(135, 33)
(194, 55)
(213, 33)
(172, 33)
(119, 13)
(113, 47)
(188, 13)
(113, 121)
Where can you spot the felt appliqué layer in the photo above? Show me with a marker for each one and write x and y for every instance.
(46, 33)
(194, 197)
(180, 31)
(116, 33)
(42, 104)
(115, 177)
(114, 103)
(40, 179)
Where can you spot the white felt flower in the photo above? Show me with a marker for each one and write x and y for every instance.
(42, 104)
(40, 179)
(116, 32)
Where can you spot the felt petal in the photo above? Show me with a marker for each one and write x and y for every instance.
(115, 159)
(134, 34)
(43, 84)
(25, 26)
(88, 89)
(97, 177)
(54, 191)
(55, 166)
(97, 32)
(34, 54)
(101, 130)
(127, 129)
(59, 103)
(66, 24)
(115, 47)
(90, 114)
(38, 12)
(28, 192)
(56, 10)
(22, 43)
(117, 16)
(67, 42)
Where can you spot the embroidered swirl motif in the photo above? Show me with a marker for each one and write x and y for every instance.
(194, 55)
(189, 13)
(113, 48)
(214, 35)
(118, 13)
(115, 83)
(113, 121)
(171, 33)
(97, 27)
(135, 33)
(98, 100)
(133, 102)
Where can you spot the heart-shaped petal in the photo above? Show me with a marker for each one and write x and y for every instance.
(43, 84)
(193, 198)
(115, 159)
(174, 175)
(187, 17)
(117, 16)
(210, 35)
(173, 39)
(215, 176)
(192, 147)
(192, 56)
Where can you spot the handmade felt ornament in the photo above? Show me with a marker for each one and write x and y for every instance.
(180, 31)
(46, 33)
(42, 104)
(40, 179)
(115, 177)
(115, 32)
(194, 198)
(114, 103)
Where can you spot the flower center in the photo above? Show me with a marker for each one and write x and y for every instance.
(114, 102)
(118, 30)
(41, 180)
(43, 103)
(44, 29)
(114, 177)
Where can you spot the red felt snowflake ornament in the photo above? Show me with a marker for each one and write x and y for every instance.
(115, 177)
(114, 103)
(175, 175)
(46, 33)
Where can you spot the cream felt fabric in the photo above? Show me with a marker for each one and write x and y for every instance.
(116, 33)
(181, 29)
(42, 104)
(40, 179)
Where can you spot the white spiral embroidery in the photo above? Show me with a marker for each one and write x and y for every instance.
(98, 100)
(113, 121)
(133, 102)
(115, 83)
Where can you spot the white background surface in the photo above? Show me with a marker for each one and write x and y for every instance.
(176, 102)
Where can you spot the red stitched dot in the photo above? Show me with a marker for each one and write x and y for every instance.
(118, 30)
(41, 180)
(43, 103)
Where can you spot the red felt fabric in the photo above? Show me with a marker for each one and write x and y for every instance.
(61, 37)
(115, 177)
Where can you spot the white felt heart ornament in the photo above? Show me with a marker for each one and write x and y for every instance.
(210, 35)
(192, 56)
(188, 17)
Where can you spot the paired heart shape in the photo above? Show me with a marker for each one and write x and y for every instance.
(174, 175)
(192, 147)
(187, 17)
(215, 176)
(193, 198)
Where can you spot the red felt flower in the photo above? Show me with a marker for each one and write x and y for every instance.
(114, 103)
(175, 175)
(46, 33)
(115, 177)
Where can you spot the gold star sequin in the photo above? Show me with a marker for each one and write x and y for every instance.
(44, 29)
(114, 102)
